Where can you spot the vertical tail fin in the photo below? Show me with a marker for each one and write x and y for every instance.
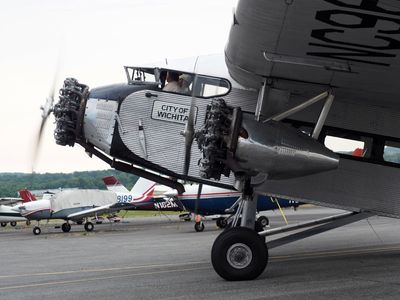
(26, 195)
(143, 188)
(113, 184)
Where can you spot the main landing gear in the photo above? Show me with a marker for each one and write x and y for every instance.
(240, 252)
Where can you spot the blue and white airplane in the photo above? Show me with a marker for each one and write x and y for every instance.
(218, 201)
(210, 202)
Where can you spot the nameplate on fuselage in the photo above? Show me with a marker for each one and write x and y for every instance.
(172, 112)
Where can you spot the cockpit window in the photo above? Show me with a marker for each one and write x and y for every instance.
(179, 82)
(193, 84)
(141, 75)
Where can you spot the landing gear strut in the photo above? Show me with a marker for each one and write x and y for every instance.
(239, 253)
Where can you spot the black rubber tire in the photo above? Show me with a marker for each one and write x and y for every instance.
(239, 236)
(221, 223)
(3, 224)
(263, 220)
(199, 226)
(89, 226)
(66, 227)
(13, 223)
(36, 230)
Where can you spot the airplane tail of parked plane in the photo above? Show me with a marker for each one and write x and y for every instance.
(113, 184)
(143, 187)
(141, 191)
(26, 195)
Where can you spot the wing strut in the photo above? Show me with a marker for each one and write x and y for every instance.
(324, 224)
(328, 96)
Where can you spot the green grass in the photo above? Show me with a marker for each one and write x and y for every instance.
(144, 213)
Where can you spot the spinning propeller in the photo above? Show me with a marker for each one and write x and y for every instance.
(47, 109)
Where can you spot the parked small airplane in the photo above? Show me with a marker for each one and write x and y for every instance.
(78, 205)
(211, 201)
(159, 201)
(9, 215)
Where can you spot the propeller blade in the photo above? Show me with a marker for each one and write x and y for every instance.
(189, 131)
(47, 108)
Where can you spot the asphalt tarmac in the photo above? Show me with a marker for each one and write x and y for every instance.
(161, 258)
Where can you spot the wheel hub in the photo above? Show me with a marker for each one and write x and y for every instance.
(239, 256)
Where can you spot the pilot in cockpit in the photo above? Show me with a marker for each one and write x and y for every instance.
(172, 82)
(184, 82)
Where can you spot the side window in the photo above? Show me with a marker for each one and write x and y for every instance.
(391, 152)
(211, 87)
(140, 75)
(354, 146)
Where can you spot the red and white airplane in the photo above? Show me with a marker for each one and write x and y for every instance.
(79, 205)
(158, 201)
(8, 213)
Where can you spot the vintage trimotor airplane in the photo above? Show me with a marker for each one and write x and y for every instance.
(299, 77)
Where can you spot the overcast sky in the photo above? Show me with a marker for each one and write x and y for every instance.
(94, 40)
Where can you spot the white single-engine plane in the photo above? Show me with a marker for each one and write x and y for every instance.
(298, 83)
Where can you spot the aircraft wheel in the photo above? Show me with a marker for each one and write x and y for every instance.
(36, 230)
(89, 226)
(199, 226)
(66, 227)
(28, 222)
(13, 224)
(263, 221)
(239, 253)
(221, 222)
(3, 224)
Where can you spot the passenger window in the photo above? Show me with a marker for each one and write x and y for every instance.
(391, 152)
(208, 87)
(347, 146)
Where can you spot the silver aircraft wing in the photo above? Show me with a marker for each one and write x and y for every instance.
(93, 211)
(353, 46)
(10, 200)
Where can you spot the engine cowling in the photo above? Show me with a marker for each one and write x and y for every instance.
(234, 141)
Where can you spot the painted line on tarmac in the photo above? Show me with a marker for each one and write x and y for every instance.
(328, 253)
(281, 258)
(104, 269)
(98, 278)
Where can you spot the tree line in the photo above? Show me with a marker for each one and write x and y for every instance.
(11, 183)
